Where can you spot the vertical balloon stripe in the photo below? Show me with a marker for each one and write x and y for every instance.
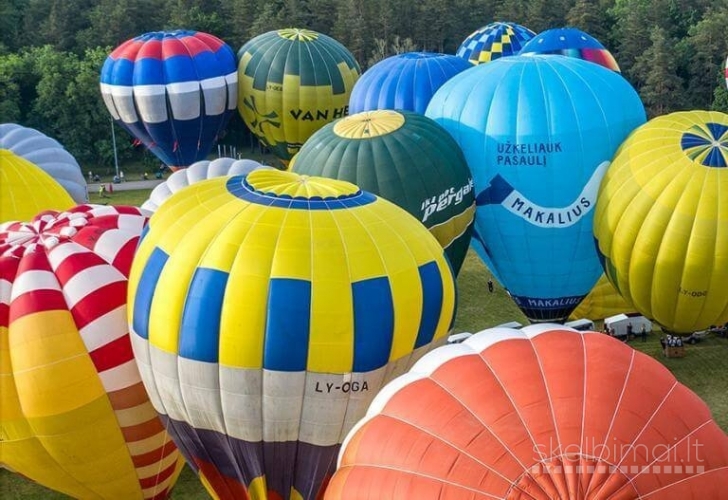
(373, 323)
(288, 325)
(200, 330)
(432, 295)
(145, 291)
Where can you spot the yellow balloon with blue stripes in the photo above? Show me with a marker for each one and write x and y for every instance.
(267, 310)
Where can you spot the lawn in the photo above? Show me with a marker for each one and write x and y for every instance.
(704, 369)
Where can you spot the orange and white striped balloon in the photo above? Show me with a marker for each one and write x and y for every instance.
(75, 416)
(541, 413)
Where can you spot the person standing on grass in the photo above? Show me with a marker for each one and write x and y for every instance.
(643, 333)
(490, 285)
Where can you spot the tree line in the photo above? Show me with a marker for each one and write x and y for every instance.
(51, 51)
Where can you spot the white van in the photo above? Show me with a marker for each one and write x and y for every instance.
(583, 325)
(619, 323)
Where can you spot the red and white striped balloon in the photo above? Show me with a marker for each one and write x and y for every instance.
(75, 416)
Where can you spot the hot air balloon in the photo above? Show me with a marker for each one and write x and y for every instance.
(602, 302)
(49, 155)
(405, 158)
(174, 91)
(496, 40)
(404, 82)
(292, 83)
(254, 325)
(25, 189)
(199, 171)
(661, 221)
(74, 415)
(538, 413)
(570, 42)
(538, 133)
(726, 72)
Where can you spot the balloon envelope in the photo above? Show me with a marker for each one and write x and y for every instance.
(404, 82)
(174, 91)
(197, 172)
(48, 154)
(254, 325)
(538, 413)
(405, 158)
(74, 415)
(25, 189)
(538, 132)
(661, 221)
(494, 41)
(292, 83)
(570, 42)
(602, 302)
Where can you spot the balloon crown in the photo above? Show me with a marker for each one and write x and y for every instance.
(422, 55)
(368, 124)
(707, 144)
(47, 230)
(290, 190)
(298, 35)
(160, 35)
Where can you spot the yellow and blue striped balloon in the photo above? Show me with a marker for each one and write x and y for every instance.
(267, 312)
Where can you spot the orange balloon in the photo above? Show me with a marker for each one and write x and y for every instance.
(540, 413)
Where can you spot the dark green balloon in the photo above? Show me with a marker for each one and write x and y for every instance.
(405, 158)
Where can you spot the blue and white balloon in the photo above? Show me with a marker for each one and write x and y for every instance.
(174, 91)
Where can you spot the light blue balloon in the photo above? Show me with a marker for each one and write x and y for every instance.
(538, 133)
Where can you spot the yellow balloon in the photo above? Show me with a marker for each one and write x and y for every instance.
(602, 302)
(26, 190)
(661, 220)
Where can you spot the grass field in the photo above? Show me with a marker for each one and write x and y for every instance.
(704, 369)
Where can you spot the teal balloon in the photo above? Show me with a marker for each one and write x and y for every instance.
(405, 158)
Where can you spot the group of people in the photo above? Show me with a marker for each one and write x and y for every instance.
(630, 335)
(671, 341)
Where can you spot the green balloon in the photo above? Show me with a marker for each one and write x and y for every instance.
(405, 158)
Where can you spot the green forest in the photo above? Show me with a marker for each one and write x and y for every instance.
(51, 51)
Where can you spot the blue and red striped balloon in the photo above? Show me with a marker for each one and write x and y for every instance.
(174, 91)
(571, 42)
